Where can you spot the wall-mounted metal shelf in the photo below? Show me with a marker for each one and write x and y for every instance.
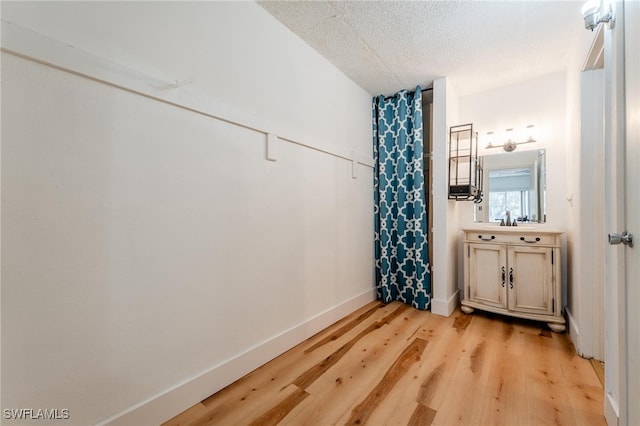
(465, 167)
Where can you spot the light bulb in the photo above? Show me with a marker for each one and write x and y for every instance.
(531, 130)
(510, 144)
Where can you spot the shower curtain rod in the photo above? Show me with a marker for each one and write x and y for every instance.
(428, 89)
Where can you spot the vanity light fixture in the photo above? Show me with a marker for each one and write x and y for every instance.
(510, 145)
(593, 18)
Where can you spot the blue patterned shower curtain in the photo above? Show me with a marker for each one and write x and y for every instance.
(402, 264)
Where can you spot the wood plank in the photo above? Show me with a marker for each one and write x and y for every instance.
(422, 416)
(461, 322)
(280, 411)
(311, 375)
(398, 413)
(337, 392)
(585, 390)
(459, 399)
(361, 413)
(189, 416)
(443, 358)
(504, 395)
(345, 328)
(430, 385)
(268, 408)
(244, 412)
(548, 403)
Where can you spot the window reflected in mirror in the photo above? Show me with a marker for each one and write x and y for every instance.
(514, 182)
(509, 190)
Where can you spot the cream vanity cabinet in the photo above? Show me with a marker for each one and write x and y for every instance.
(515, 272)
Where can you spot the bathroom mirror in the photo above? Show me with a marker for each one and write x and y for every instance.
(514, 182)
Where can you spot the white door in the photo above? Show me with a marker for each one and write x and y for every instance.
(632, 255)
(622, 72)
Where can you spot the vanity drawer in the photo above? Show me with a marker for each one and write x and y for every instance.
(513, 237)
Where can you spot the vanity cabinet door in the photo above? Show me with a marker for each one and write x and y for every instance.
(487, 269)
(530, 279)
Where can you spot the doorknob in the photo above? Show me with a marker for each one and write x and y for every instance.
(626, 238)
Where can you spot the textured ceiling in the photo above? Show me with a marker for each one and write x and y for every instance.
(479, 45)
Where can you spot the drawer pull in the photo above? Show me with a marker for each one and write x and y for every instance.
(511, 278)
(530, 241)
(504, 276)
(493, 237)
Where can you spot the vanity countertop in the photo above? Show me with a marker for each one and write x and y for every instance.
(520, 229)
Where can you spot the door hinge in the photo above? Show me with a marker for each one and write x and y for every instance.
(468, 251)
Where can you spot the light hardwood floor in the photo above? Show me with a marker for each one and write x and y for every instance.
(394, 365)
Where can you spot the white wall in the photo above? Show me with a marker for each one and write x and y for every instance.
(150, 254)
(445, 223)
(541, 102)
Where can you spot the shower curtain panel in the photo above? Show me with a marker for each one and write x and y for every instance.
(402, 265)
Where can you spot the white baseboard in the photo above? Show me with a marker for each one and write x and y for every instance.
(168, 404)
(574, 332)
(445, 307)
(611, 410)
